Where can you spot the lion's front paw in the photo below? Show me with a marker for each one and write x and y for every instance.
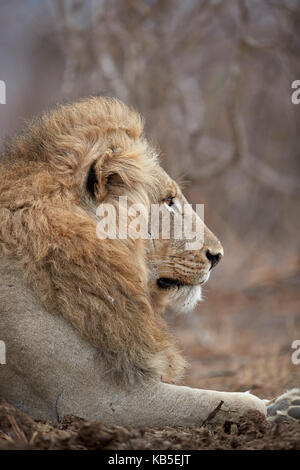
(286, 407)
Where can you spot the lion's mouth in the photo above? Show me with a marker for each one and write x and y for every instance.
(168, 283)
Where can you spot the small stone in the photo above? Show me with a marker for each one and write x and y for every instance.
(294, 412)
(280, 405)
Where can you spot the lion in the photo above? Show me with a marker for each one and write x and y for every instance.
(82, 317)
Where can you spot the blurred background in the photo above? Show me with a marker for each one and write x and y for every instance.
(213, 80)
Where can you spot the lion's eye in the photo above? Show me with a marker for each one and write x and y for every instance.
(170, 201)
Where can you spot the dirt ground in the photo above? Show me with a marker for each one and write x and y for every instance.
(18, 431)
(236, 341)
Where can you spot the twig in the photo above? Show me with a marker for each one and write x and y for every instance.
(212, 414)
(6, 437)
(16, 429)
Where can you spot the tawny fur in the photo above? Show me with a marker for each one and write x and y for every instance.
(45, 225)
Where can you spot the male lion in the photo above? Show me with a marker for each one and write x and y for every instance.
(81, 317)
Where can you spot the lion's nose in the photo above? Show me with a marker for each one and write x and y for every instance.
(213, 258)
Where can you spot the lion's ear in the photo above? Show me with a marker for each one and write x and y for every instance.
(100, 178)
(97, 176)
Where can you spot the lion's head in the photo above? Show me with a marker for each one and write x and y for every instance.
(180, 266)
(54, 179)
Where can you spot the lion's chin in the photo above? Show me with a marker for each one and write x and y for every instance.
(185, 298)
